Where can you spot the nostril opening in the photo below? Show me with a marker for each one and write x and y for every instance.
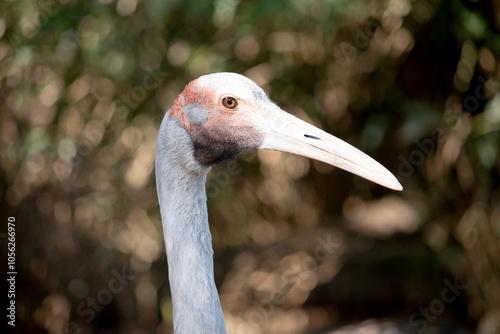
(312, 137)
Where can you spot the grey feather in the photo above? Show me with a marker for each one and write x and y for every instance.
(196, 114)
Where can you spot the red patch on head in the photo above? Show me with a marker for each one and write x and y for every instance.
(191, 94)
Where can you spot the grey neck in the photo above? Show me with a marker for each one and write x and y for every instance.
(180, 182)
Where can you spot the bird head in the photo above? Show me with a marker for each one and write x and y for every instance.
(226, 113)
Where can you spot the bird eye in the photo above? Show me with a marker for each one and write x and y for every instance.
(229, 102)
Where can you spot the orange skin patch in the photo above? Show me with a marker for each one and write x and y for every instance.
(205, 97)
(226, 132)
(188, 96)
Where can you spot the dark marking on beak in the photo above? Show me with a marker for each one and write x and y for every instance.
(312, 137)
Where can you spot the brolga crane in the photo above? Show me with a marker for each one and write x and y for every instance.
(215, 118)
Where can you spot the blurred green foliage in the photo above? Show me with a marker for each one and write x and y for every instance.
(415, 84)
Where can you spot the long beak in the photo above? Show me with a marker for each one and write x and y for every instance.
(284, 132)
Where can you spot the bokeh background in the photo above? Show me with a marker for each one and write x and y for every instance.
(299, 246)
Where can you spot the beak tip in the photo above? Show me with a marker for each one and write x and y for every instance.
(395, 185)
(398, 188)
